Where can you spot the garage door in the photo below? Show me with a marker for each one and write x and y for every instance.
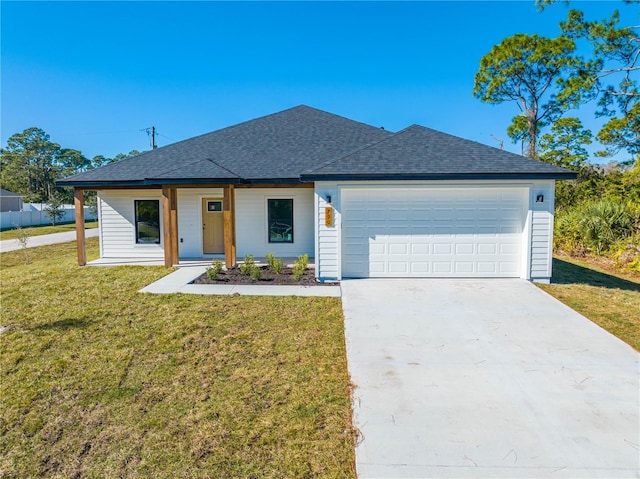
(434, 232)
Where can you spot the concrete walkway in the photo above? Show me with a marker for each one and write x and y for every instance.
(178, 282)
(43, 240)
(486, 379)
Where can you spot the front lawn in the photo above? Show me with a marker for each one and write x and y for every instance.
(101, 381)
(611, 301)
(14, 233)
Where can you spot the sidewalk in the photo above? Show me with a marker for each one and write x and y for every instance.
(179, 282)
(43, 240)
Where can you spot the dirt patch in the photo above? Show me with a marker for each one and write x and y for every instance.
(267, 277)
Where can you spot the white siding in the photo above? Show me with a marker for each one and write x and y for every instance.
(328, 244)
(542, 231)
(536, 247)
(190, 219)
(117, 229)
(251, 222)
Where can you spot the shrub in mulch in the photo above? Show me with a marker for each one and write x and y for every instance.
(267, 276)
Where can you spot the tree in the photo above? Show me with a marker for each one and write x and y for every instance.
(527, 69)
(31, 163)
(564, 144)
(610, 76)
(101, 160)
(54, 209)
(607, 75)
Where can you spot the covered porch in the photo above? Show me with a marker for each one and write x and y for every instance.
(172, 224)
(169, 229)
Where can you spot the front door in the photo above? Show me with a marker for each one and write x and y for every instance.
(212, 226)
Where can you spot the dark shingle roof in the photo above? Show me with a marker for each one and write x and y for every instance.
(275, 147)
(422, 153)
(305, 144)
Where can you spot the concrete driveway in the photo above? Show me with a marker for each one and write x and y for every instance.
(486, 379)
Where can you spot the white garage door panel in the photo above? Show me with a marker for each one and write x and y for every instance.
(466, 232)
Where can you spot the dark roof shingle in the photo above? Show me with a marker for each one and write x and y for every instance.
(306, 144)
(422, 153)
(279, 146)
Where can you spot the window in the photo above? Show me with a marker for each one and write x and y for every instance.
(280, 214)
(214, 206)
(147, 221)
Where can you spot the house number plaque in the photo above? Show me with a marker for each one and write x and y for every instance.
(328, 216)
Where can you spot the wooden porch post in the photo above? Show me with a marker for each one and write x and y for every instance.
(174, 225)
(229, 218)
(169, 232)
(78, 201)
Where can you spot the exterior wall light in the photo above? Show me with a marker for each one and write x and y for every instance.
(329, 199)
(540, 199)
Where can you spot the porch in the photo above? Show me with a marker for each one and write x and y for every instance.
(176, 225)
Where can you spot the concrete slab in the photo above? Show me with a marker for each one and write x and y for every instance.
(178, 282)
(485, 379)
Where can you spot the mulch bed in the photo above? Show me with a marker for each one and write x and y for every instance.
(268, 277)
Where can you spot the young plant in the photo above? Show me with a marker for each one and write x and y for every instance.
(214, 270)
(256, 273)
(275, 264)
(247, 266)
(54, 209)
(23, 239)
(299, 266)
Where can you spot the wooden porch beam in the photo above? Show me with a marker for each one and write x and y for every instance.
(229, 219)
(78, 201)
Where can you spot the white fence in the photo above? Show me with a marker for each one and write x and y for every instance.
(10, 219)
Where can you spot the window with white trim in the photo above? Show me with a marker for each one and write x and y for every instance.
(280, 220)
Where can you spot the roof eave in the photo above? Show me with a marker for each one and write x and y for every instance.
(569, 175)
(158, 182)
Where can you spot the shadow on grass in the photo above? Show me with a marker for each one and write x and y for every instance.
(65, 324)
(570, 273)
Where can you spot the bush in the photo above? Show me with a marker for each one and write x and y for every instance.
(214, 270)
(595, 226)
(256, 273)
(626, 254)
(299, 266)
(275, 264)
(248, 265)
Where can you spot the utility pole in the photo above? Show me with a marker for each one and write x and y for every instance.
(151, 133)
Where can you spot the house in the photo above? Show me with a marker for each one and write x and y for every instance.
(10, 201)
(361, 200)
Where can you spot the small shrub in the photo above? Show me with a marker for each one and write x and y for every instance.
(256, 273)
(214, 270)
(248, 265)
(275, 264)
(23, 239)
(299, 266)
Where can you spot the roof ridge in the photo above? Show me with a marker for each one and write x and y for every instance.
(327, 163)
(223, 167)
(163, 173)
(443, 133)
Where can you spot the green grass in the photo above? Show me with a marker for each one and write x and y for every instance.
(609, 300)
(101, 381)
(44, 230)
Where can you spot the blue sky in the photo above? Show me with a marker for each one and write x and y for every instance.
(94, 74)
